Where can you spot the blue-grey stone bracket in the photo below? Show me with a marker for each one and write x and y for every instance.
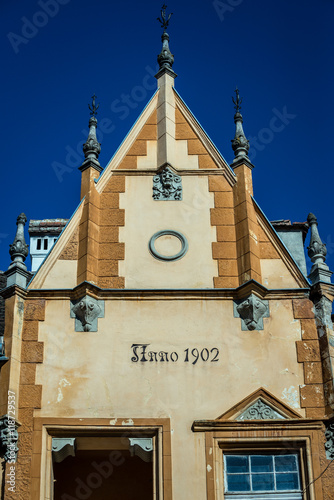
(86, 312)
(260, 411)
(168, 258)
(142, 448)
(8, 438)
(251, 311)
(63, 448)
(329, 445)
(167, 186)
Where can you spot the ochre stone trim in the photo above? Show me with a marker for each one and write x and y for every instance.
(308, 353)
(70, 251)
(30, 398)
(224, 249)
(183, 131)
(110, 249)
(247, 240)
(149, 132)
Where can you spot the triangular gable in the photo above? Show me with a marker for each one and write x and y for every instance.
(192, 148)
(260, 405)
(272, 247)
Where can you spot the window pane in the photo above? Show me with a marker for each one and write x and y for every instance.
(236, 464)
(263, 482)
(238, 482)
(262, 463)
(286, 463)
(287, 481)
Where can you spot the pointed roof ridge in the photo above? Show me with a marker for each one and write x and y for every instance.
(203, 135)
(285, 254)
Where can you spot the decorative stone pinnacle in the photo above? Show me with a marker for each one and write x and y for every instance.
(317, 252)
(92, 147)
(240, 144)
(165, 58)
(18, 250)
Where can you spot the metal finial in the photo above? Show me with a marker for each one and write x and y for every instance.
(237, 101)
(93, 108)
(164, 21)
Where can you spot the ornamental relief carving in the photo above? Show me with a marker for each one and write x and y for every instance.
(167, 185)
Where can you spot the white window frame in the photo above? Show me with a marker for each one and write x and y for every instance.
(258, 494)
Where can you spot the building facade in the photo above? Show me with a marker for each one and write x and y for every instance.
(170, 345)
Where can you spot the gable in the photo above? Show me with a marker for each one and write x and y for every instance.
(260, 405)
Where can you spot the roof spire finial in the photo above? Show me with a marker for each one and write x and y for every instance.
(240, 144)
(92, 147)
(165, 58)
(93, 108)
(317, 252)
(164, 21)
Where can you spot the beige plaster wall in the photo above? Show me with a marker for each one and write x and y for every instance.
(62, 275)
(275, 274)
(90, 374)
(144, 216)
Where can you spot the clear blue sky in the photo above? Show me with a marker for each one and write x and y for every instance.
(57, 53)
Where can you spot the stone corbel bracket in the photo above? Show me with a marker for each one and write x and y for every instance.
(63, 448)
(86, 312)
(142, 448)
(251, 311)
(8, 438)
(329, 445)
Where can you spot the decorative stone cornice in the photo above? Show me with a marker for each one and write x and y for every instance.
(317, 252)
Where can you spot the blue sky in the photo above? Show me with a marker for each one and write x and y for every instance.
(57, 53)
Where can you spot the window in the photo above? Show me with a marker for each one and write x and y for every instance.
(262, 476)
(39, 244)
(45, 244)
